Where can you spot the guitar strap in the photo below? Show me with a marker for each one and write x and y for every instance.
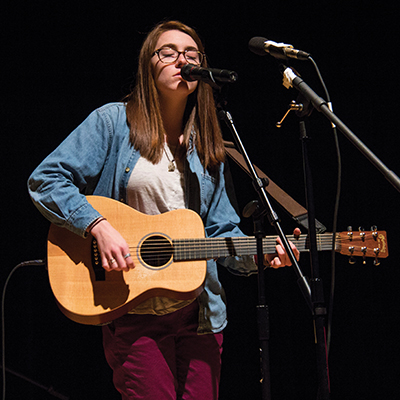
(298, 212)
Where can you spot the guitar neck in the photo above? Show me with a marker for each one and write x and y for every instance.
(207, 248)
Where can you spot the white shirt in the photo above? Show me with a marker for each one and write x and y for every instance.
(155, 189)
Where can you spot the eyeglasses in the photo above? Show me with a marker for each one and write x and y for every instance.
(168, 56)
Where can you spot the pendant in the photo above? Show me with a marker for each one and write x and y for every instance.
(171, 166)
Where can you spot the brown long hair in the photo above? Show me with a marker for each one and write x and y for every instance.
(144, 115)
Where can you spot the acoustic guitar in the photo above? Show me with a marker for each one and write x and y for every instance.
(169, 251)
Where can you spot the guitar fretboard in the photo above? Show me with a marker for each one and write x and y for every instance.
(207, 248)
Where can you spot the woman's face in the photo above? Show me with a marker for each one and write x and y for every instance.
(167, 77)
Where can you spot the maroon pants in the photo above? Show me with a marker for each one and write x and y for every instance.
(163, 357)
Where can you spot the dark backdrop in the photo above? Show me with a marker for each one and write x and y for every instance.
(61, 60)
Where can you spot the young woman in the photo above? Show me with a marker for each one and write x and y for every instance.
(160, 150)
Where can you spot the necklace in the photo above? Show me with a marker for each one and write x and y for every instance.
(171, 163)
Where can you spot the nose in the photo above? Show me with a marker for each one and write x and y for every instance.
(181, 60)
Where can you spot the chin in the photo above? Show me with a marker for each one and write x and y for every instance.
(189, 86)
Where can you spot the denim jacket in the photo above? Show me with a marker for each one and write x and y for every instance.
(97, 159)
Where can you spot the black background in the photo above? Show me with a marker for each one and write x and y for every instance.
(61, 60)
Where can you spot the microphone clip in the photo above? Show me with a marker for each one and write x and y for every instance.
(208, 77)
(289, 74)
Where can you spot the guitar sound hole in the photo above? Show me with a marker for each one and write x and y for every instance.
(156, 251)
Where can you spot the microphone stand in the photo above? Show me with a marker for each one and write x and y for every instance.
(290, 79)
(317, 296)
(260, 210)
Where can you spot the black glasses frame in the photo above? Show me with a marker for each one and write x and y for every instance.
(184, 52)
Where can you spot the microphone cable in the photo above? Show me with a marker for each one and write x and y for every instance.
(335, 212)
(32, 263)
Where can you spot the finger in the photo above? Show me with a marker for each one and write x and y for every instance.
(118, 260)
(276, 262)
(296, 232)
(116, 263)
(109, 263)
(120, 264)
(267, 259)
(125, 261)
(104, 263)
(282, 257)
(129, 261)
(295, 251)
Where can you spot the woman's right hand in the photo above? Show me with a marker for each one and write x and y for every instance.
(114, 251)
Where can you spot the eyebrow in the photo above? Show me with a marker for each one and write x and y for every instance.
(173, 46)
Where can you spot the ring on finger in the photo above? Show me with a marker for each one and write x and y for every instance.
(111, 261)
(127, 255)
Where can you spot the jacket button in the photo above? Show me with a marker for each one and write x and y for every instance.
(127, 169)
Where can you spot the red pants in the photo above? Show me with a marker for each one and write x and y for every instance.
(163, 357)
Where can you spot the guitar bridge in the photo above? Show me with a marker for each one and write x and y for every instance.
(99, 271)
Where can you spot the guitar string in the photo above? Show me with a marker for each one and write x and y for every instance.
(244, 242)
(220, 244)
(198, 245)
(224, 243)
(249, 238)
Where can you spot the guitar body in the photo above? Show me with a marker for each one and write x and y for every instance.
(87, 294)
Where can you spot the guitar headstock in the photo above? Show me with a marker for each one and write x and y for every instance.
(364, 244)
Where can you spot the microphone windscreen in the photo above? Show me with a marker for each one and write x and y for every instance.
(186, 72)
(256, 45)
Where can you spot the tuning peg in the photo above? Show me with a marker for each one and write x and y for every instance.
(376, 260)
(364, 251)
(374, 230)
(352, 260)
(350, 232)
(362, 232)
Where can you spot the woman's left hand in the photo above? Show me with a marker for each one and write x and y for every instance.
(281, 257)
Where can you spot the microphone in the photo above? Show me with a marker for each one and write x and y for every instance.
(261, 46)
(191, 72)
